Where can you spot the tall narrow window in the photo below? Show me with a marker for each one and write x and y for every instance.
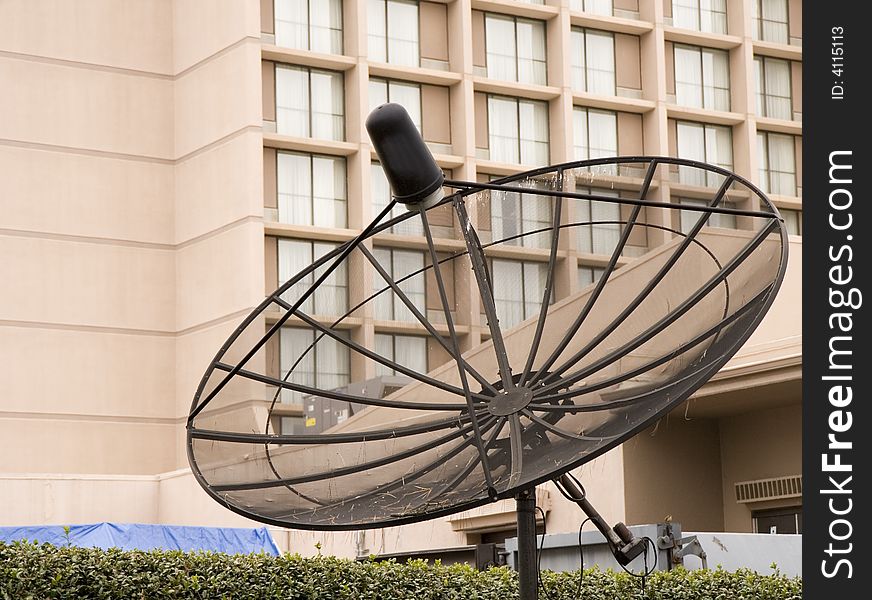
(514, 214)
(515, 48)
(777, 156)
(711, 144)
(773, 87)
(709, 16)
(792, 220)
(321, 363)
(517, 130)
(409, 351)
(597, 7)
(331, 297)
(399, 264)
(314, 25)
(310, 103)
(771, 21)
(689, 218)
(593, 61)
(518, 289)
(601, 220)
(595, 133)
(702, 77)
(393, 32)
(399, 92)
(311, 189)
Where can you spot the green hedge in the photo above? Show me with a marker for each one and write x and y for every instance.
(45, 571)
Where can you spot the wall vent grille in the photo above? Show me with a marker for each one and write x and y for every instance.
(775, 488)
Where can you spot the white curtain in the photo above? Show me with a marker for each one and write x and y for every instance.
(777, 88)
(531, 51)
(292, 101)
(578, 60)
(774, 21)
(692, 146)
(298, 356)
(580, 133)
(505, 216)
(716, 79)
(383, 304)
(600, 54)
(409, 96)
(782, 164)
(294, 186)
(376, 20)
(501, 47)
(502, 123)
(378, 93)
(331, 297)
(411, 352)
(602, 235)
(598, 7)
(688, 76)
(326, 26)
(533, 120)
(713, 16)
(328, 105)
(719, 151)
(291, 23)
(329, 191)
(403, 42)
(603, 133)
(685, 14)
(535, 277)
(398, 264)
(508, 295)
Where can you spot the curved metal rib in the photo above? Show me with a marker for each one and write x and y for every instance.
(348, 470)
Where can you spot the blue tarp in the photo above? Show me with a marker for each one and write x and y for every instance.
(132, 536)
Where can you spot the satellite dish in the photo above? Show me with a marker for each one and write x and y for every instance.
(624, 304)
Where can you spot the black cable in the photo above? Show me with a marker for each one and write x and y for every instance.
(647, 571)
(580, 559)
(539, 582)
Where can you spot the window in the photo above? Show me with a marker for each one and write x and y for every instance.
(712, 144)
(323, 364)
(595, 133)
(792, 220)
(593, 61)
(393, 32)
(381, 197)
(514, 214)
(602, 228)
(310, 103)
(690, 217)
(588, 275)
(409, 351)
(518, 289)
(702, 77)
(311, 189)
(515, 48)
(773, 87)
(777, 156)
(331, 297)
(399, 264)
(597, 7)
(399, 92)
(701, 15)
(770, 21)
(778, 520)
(314, 25)
(517, 130)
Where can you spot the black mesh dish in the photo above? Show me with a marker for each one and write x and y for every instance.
(601, 307)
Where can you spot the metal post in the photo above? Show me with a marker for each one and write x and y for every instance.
(528, 575)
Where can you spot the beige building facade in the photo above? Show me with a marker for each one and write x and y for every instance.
(166, 164)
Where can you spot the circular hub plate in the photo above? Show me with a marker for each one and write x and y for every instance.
(508, 403)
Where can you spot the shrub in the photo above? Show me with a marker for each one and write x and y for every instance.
(44, 571)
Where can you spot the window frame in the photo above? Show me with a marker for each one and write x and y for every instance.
(760, 22)
(519, 139)
(524, 301)
(387, 32)
(343, 224)
(711, 179)
(587, 65)
(576, 109)
(763, 95)
(389, 372)
(704, 76)
(516, 62)
(309, 26)
(306, 282)
(397, 307)
(697, 6)
(278, 67)
(765, 161)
